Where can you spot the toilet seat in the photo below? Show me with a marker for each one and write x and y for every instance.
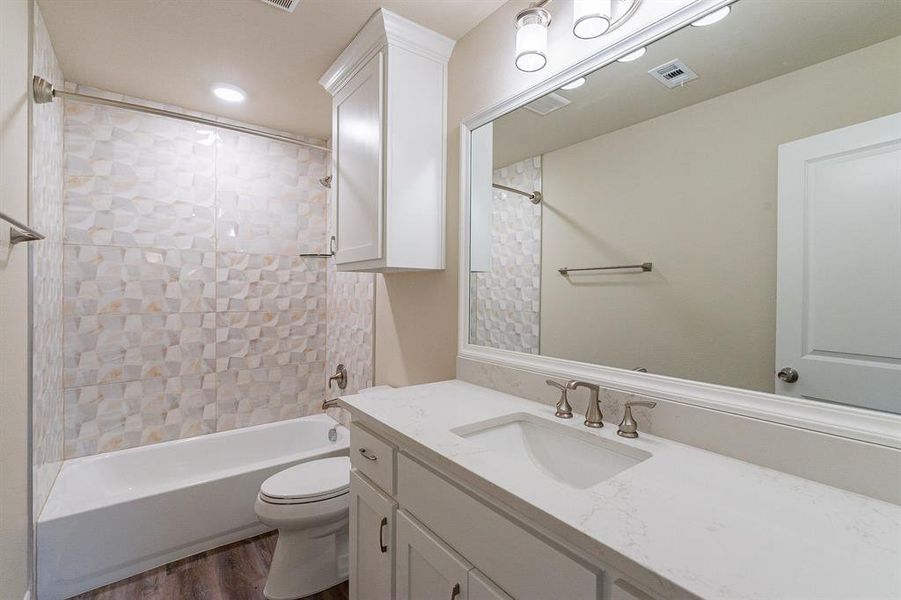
(309, 482)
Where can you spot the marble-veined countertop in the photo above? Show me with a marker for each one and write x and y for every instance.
(684, 522)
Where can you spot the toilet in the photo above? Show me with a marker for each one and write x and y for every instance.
(308, 504)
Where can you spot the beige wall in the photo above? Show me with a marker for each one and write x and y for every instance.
(694, 191)
(15, 69)
(416, 313)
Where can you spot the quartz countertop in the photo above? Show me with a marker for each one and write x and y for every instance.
(686, 521)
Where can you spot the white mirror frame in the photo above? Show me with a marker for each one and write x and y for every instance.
(834, 419)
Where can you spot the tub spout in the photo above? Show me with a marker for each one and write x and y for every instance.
(333, 403)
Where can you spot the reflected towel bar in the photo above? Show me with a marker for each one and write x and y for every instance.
(19, 232)
(645, 267)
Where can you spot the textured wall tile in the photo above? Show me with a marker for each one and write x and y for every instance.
(47, 284)
(254, 396)
(269, 197)
(113, 348)
(136, 180)
(253, 282)
(250, 340)
(111, 280)
(181, 262)
(504, 302)
(114, 416)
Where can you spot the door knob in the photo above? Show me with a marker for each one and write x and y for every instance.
(788, 375)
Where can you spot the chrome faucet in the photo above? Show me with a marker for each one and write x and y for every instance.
(564, 410)
(628, 428)
(593, 416)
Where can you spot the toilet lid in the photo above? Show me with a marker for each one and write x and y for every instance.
(322, 478)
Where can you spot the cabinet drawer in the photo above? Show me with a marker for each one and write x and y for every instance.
(526, 567)
(372, 456)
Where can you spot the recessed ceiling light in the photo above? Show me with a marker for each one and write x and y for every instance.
(575, 83)
(714, 17)
(229, 92)
(633, 55)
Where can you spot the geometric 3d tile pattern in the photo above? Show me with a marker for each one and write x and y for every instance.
(504, 302)
(47, 281)
(187, 308)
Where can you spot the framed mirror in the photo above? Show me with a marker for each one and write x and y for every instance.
(720, 206)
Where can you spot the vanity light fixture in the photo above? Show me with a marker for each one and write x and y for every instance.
(634, 55)
(531, 38)
(575, 83)
(714, 17)
(591, 18)
(228, 92)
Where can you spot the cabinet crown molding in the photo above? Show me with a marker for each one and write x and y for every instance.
(385, 28)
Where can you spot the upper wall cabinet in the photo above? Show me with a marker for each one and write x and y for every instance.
(389, 90)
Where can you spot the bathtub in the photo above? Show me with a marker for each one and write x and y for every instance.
(114, 515)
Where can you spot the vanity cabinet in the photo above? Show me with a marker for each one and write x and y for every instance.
(415, 535)
(372, 518)
(426, 566)
(389, 100)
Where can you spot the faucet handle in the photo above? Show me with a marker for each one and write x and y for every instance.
(628, 428)
(564, 410)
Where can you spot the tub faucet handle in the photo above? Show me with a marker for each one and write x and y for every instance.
(564, 410)
(340, 377)
(628, 428)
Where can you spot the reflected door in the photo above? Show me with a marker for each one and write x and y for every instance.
(838, 332)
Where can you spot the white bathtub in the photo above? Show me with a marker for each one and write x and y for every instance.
(114, 515)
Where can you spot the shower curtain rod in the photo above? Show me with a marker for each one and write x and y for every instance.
(44, 92)
(535, 197)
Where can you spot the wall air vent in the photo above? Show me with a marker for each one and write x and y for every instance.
(286, 5)
(547, 104)
(673, 73)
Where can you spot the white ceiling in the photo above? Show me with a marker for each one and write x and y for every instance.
(759, 40)
(171, 51)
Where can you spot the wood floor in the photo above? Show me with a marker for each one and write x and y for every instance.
(234, 572)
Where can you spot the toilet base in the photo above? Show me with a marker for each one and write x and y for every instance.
(304, 564)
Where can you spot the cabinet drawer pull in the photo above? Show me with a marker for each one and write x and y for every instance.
(382, 545)
(368, 456)
(456, 591)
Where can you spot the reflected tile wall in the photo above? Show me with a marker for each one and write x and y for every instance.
(504, 302)
(47, 283)
(188, 310)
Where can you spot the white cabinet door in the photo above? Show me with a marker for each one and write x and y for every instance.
(357, 184)
(427, 568)
(838, 319)
(371, 541)
(482, 588)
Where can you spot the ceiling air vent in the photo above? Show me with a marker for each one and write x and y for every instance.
(547, 104)
(287, 5)
(673, 73)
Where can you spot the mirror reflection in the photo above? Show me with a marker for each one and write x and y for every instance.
(723, 206)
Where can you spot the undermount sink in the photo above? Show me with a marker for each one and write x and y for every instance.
(573, 457)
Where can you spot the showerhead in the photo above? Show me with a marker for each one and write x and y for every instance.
(326, 181)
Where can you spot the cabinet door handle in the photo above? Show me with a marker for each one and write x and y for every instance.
(367, 455)
(456, 591)
(382, 545)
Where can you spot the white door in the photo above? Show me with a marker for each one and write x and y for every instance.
(427, 568)
(357, 162)
(838, 324)
(371, 541)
